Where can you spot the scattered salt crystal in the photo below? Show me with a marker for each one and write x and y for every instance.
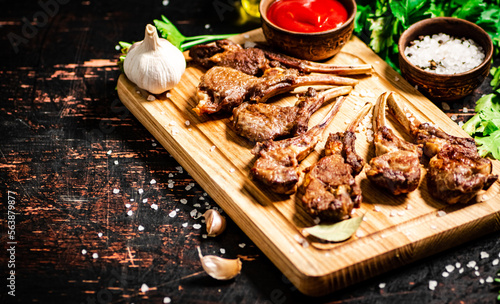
(141, 191)
(495, 262)
(376, 209)
(212, 148)
(187, 122)
(489, 279)
(450, 268)
(144, 288)
(175, 131)
(317, 220)
(433, 227)
(115, 162)
(471, 264)
(453, 117)
(204, 235)
(465, 110)
(109, 152)
(172, 213)
(165, 3)
(116, 191)
(151, 98)
(197, 205)
(99, 234)
(140, 228)
(193, 212)
(401, 213)
(130, 212)
(84, 252)
(222, 250)
(381, 285)
(477, 273)
(458, 265)
(416, 87)
(153, 181)
(484, 255)
(232, 170)
(481, 281)
(396, 78)
(168, 95)
(166, 300)
(441, 213)
(445, 274)
(172, 123)
(393, 213)
(95, 255)
(196, 226)
(409, 207)
(183, 201)
(242, 245)
(432, 284)
(207, 26)
(461, 270)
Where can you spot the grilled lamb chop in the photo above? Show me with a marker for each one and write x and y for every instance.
(397, 164)
(277, 165)
(222, 88)
(456, 172)
(262, 121)
(330, 190)
(254, 61)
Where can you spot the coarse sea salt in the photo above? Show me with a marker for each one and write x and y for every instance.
(444, 54)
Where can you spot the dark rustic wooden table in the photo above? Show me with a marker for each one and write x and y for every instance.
(103, 212)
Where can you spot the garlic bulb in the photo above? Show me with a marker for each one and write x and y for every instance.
(216, 223)
(154, 64)
(219, 268)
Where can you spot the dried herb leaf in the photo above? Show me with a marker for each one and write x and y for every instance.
(336, 232)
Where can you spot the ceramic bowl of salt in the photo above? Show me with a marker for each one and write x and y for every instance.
(446, 58)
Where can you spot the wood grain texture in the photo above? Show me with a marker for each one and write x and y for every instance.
(405, 229)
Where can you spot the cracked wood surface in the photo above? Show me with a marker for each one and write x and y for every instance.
(103, 208)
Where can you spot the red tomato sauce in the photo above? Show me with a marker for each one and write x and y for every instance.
(307, 16)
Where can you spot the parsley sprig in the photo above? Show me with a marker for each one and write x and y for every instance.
(380, 23)
(170, 32)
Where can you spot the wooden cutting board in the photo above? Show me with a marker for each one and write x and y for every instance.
(396, 230)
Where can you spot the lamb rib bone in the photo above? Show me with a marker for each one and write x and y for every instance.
(277, 165)
(222, 88)
(255, 61)
(396, 166)
(330, 190)
(456, 172)
(263, 121)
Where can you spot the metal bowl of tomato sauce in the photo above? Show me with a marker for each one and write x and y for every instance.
(308, 29)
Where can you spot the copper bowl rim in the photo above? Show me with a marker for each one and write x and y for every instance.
(407, 32)
(344, 25)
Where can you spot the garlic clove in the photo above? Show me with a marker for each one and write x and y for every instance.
(154, 64)
(219, 268)
(216, 223)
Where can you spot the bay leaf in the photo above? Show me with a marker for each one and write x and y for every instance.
(336, 232)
